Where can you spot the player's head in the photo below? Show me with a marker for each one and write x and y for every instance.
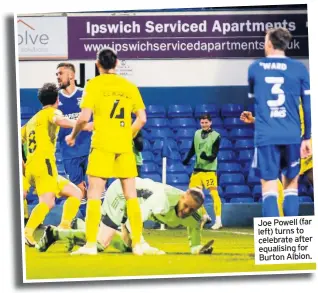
(277, 39)
(65, 74)
(106, 60)
(205, 121)
(48, 95)
(189, 202)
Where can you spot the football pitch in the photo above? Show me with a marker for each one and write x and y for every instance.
(233, 252)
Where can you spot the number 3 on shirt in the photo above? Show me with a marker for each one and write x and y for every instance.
(276, 90)
(121, 114)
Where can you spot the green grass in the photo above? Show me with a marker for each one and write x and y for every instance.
(232, 253)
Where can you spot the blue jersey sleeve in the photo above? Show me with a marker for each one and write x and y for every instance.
(251, 81)
(305, 98)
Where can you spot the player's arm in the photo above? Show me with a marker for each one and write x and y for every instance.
(189, 155)
(65, 122)
(214, 153)
(140, 112)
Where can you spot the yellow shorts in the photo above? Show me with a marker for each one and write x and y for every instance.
(204, 180)
(305, 165)
(42, 174)
(110, 165)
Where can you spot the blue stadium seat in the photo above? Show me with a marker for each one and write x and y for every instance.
(146, 145)
(302, 190)
(231, 110)
(226, 144)
(237, 191)
(27, 112)
(226, 156)
(157, 133)
(157, 122)
(246, 156)
(305, 199)
(176, 123)
(217, 122)
(189, 169)
(234, 122)
(60, 169)
(145, 134)
(211, 109)
(253, 180)
(149, 168)
(242, 200)
(231, 179)
(185, 145)
(251, 108)
(147, 156)
(228, 168)
(174, 155)
(223, 132)
(257, 191)
(176, 168)
(59, 158)
(155, 177)
(185, 133)
(183, 187)
(155, 111)
(241, 133)
(243, 144)
(24, 121)
(173, 179)
(158, 145)
(220, 190)
(175, 111)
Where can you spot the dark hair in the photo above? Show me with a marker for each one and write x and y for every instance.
(48, 94)
(206, 116)
(67, 65)
(280, 38)
(197, 195)
(107, 58)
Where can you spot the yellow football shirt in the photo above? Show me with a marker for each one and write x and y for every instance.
(112, 99)
(40, 134)
(301, 115)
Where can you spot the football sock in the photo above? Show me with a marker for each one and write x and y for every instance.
(270, 206)
(36, 218)
(217, 204)
(291, 202)
(280, 198)
(70, 210)
(93, 216)
(134, 216)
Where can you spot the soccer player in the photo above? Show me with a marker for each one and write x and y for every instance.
(40, 134)
(75, 158)
(111, 99)
(205, 146)
(276, 82)
(137, 148)
(159, 203)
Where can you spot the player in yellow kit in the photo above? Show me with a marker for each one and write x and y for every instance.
(111, 99)
(40, 170)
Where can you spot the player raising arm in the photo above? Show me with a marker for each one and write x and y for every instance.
(276, 82)
(40, 135)
(159, 203)
(111, 99)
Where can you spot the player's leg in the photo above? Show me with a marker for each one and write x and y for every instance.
(290, 180)
(196, 181)
(70, 208)
(210, 183)
(126, 171)
(267, 160)
(280, 198)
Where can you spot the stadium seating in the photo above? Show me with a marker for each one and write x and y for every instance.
(157, 122)
(231, 110)
(251, 108)
(305, 199)
(229, 168)
(211, 109)
(226, 156)
(257, 191)
(27, 112)
(185, 133)
(183, 187)
(147, 156)
(237, 191)
(223, 132)
(174, 179)
(242, 144)
(302, 190)
(242, 200)
(185, 145)
(246, 156)
(146, 145)
(231, 179)
(231, 123)
(176, 123)
(159, 143)
(24, 121)
(241, 133)
(156, 133)
(226, 144)
(175, 111)
(176, 168)
(253, 180)
(155, 177)
(149, 168)
(156, 111)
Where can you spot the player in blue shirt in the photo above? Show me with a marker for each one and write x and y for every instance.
(276, 82)
(75, 158)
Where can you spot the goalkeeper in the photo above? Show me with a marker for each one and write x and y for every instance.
(159, 203)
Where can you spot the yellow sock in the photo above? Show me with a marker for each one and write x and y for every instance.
(280, 198)
(25, 208)
(36, 218)
(70, 210)
(202, 210)
(134, 216)
(216, 203)
(93, 215)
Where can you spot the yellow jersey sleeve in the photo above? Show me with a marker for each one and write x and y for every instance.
(301, 116)
(88, 98)
(52, 115)
(138, 103)
(23, 134)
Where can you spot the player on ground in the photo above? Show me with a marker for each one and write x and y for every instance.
(40, 134)
(159, 203)
(276, 82)
(75, 158)
(111, 99)
(205, 146)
